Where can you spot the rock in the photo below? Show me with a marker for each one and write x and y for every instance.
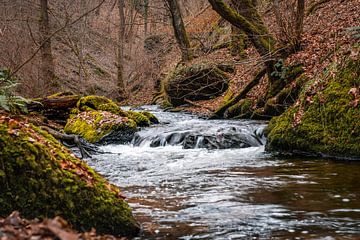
(140, 119)
(92, 102)
(220, 141)
(101, 127)
(324, 122)
(197, 82)
(42, 179)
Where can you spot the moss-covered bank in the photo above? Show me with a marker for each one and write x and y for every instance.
(41, 178)
(326, 119)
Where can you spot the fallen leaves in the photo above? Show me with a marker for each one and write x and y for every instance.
(355, 93)
(15, 228)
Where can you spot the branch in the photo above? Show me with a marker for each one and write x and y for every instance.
(67, 24)
(220, 112)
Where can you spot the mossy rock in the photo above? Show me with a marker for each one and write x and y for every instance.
(140, 119)
(42, 179)
(152, 118)
(101, 127)
(326, 120)
(243, 109)
(94, 102)
(200, 81)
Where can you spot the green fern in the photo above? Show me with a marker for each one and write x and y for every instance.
(8, 100)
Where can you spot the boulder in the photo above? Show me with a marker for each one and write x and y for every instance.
(325, 119)
(201, 81)
(42, 179)
(101, 127)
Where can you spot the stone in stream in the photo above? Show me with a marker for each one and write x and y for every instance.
(223, 139)
(219, 141)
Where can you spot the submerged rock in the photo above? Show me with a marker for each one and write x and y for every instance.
(325, 120)
(41, 178)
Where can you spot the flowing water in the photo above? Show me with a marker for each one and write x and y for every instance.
(215, 186)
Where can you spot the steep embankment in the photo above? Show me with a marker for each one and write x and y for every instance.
(325, 119)
(41, 178)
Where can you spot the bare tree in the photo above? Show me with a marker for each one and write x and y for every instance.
(290, 20)
(120, 47)
(47, 62)
(179, 30)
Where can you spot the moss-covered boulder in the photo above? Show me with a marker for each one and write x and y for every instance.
(101, 127)
(41, 178)
(197, 82)
(94, 102)
(326, 119)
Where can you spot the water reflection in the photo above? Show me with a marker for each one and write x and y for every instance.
(233, 193)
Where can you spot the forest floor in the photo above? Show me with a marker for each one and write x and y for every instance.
(14, 227)
(326, 31)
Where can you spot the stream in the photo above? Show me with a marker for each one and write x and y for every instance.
(190, 178)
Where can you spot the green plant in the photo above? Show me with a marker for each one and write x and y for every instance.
(8, 100)
(280, 70)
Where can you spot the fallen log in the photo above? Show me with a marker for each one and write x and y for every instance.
(56, 107)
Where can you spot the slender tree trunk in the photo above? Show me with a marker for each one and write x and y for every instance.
(120, 48)
(299, 22)
(146, 16)
(47, 61)
(179, 30)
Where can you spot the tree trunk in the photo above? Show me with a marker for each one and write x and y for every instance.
(300, 14)
(146, 17)
(179, 30)
(47, 74)
(120, 48)
(249, 20)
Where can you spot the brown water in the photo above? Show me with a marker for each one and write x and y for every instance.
(232, 193)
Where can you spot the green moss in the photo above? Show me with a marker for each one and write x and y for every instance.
(94, 125)
(62, 94)
(41, 179)
(152, 118)
(94, 102)
(140, 119)
(327, 123)
(243, 109)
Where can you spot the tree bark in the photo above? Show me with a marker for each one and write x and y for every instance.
(146, 17)
(179, 30)
(300, 14)
(47, 73)
(120, 49)
(250, 22)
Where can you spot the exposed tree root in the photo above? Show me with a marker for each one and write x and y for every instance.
(68, 137)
